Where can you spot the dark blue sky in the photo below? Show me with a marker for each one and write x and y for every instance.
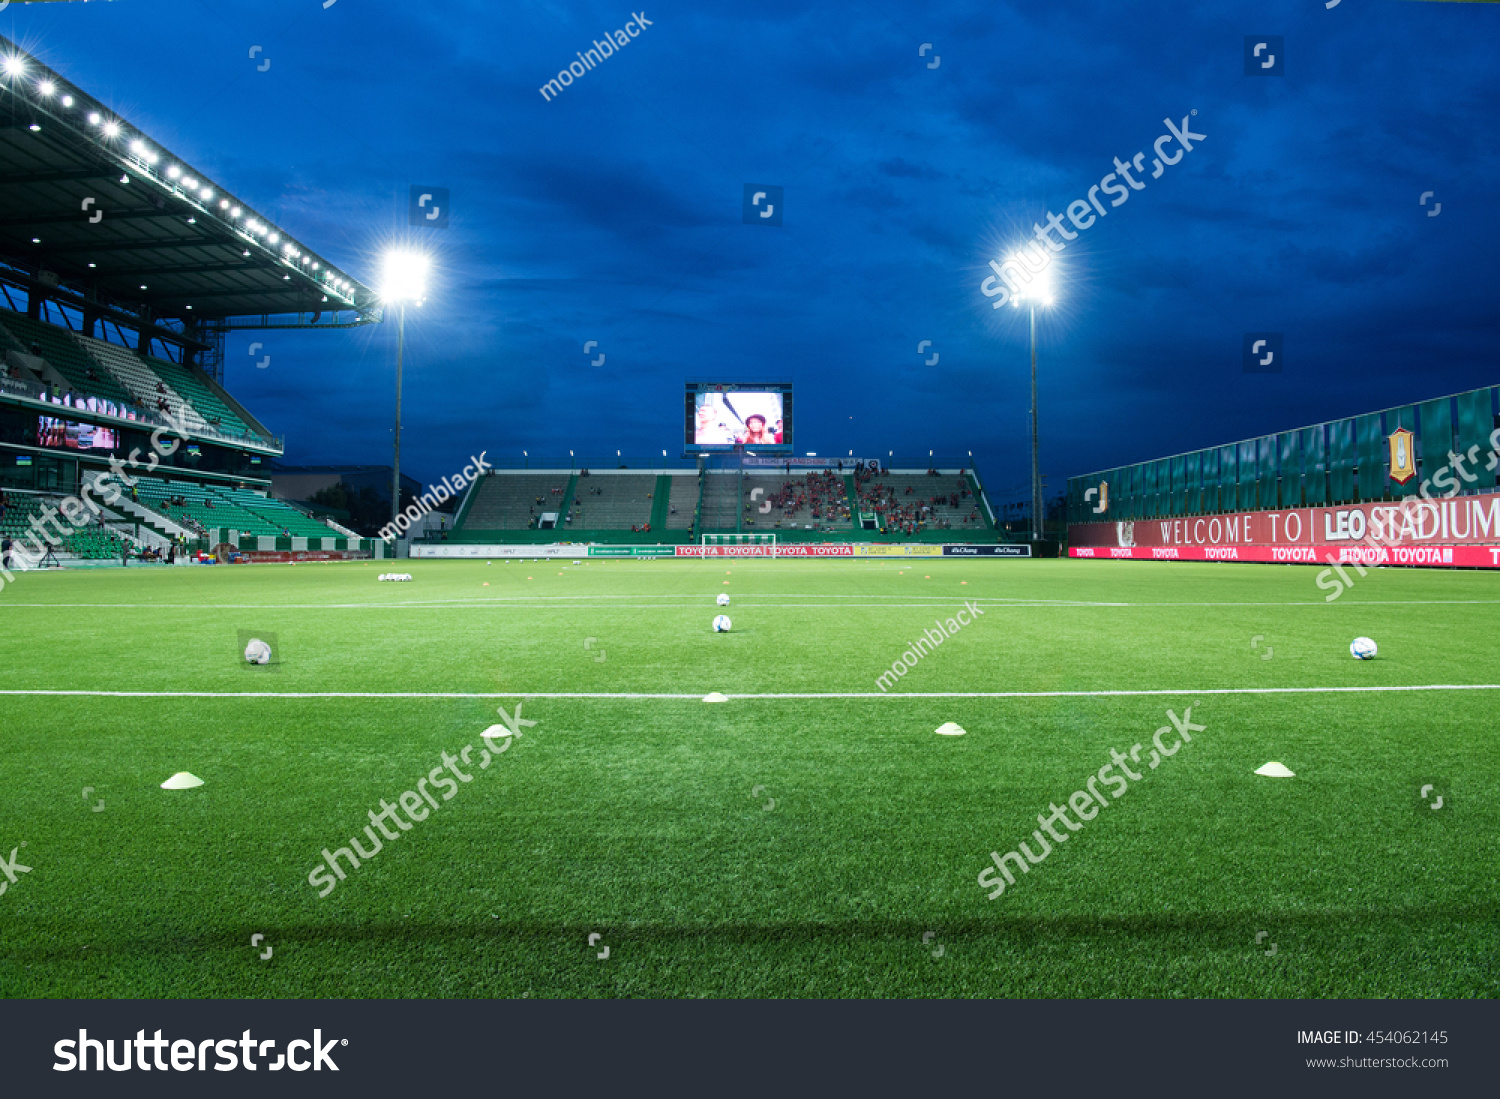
(613, 212)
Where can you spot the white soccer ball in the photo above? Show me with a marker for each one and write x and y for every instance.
(723, 599)
(257, 652)
(721, 624)
(1362, 648)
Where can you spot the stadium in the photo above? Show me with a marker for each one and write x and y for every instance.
(755, 719)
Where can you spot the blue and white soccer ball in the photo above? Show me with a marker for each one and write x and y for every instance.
(723, 599)
(722, 624)
(257, 652)
(1362, 648)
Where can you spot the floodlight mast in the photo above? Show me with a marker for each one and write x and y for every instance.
(1037, 290)
(405, 279)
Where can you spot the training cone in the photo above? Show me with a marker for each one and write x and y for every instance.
(182, 781)
(1276, 770)
(950, 728)
(715, 696)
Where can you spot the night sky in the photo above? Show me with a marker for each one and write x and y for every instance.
(613, 213)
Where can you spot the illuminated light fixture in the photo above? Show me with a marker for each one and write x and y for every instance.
(403, 276)
(46, 87)
(190, 183)
(14, 66)
(94, 118)
(138, 148)
(192, 221)
(234, 212)
(93, 265)
(36, 240)
(173, 172)
(67, 101)
(223, 204)
(315, 267)
(190, 307)
(246, 252)
(273, 238)
(143, 286)
(206, 195)
(111, 129)
(124, 178)
(35, 128)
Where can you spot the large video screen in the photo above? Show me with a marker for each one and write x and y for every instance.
(70, 436)
(722, 416)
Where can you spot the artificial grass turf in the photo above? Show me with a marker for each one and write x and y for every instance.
(645, 819)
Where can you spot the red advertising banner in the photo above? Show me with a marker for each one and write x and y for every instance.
(1415, 522)
(1469, 557)
(795, 550)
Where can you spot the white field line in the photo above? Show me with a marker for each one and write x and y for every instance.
(515, 602)
(777, 695)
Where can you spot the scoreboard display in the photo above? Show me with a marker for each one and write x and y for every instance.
(724, 416)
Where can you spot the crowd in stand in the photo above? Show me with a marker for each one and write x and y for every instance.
(909, 512)
(822, 495)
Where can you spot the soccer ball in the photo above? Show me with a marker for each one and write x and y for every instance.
(1362, 648)
(721, 624)
(257, 652)
(724, 599)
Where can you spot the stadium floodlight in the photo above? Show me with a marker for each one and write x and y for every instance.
(1037, 290)
(206, 194)
(95, 118)
(46, 87)
(173, 172)
(403, 278)
(15, 66)
(35, 127)
(111, 129)
(273, 238)
(234, 211)
(67, 101)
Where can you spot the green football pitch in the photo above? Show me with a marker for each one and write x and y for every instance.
(811, 836)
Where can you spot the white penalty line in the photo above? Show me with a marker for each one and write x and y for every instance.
(652, 696)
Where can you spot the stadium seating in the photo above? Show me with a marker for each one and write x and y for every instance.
(94, 544)
(797, 501)
(144, 385)
(614, 502)
(211, 507)
(191, 384)
(922, 501)
(721, 501)
(67, 357)
(508, 501)
(683, 501)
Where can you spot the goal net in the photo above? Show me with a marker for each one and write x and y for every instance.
(739, 539)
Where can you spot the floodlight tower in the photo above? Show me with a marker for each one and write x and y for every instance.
(1037, 291)
(404, 279)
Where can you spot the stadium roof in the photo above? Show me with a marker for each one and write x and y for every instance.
(92, 206)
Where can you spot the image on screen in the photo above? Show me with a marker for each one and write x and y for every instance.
(743, 417)
(72, 436)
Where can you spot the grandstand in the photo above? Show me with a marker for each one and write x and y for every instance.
(114, 325)
(672, 506)
(1309, 493)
